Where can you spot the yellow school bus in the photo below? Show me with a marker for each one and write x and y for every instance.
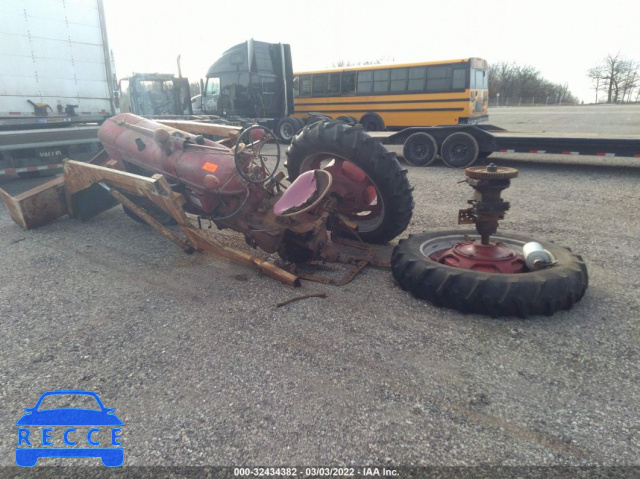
(452, 92)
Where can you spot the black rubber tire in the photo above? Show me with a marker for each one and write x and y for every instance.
(317, 119)
(299, 121)
(150, 207)
(532, 293)
(420, 149)
(372, 122)
(287, 129)
(459, 150)
(381, 166)
(349, 120)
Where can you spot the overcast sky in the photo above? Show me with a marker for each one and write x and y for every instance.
(561, 38)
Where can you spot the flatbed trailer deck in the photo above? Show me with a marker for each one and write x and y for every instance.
(32, 151)
(460, 146)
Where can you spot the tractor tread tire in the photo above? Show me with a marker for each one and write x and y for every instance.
(542, 292)
(381, 166)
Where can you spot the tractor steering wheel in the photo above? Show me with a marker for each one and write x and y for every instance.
(253, 165)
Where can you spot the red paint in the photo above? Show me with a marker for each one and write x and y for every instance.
(473, 255)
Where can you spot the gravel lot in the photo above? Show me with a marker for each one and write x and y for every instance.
(204, 369)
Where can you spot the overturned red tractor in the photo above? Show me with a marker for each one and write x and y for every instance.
(338, 183)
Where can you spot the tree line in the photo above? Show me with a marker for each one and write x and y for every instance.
(617, 78)
(512, 84)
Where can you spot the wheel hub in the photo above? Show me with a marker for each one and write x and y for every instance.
(489, 258)
(487, 207)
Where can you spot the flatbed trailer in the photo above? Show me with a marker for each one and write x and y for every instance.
(460, 146)
(31, 152)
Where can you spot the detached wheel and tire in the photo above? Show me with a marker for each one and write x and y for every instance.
(420, 149)
(545, 291)
(371, 186)
(287, 128)
(459, 150)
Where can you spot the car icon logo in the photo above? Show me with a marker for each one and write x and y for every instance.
(37, 427)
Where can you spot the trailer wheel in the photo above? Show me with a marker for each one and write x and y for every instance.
(420, 149)
(372, 122)
(286, 129)
(459, 150)
(470, 291)
(370, 185)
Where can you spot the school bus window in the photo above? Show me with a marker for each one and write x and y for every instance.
(305, 85)
(416, 79)
(365, 82)
(438, 78)
(320, 85)
(398, 79)
(481, 79)
(459, 79)
(348, 83)
(333, 84)
(381, 81)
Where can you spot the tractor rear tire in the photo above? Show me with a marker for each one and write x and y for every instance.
(544, 291)
(325, 141)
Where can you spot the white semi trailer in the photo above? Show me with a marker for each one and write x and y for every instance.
(56, 82)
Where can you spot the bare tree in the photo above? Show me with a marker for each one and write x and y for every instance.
(514, 82)
(617, 76)
(630, 80)
(596, 75)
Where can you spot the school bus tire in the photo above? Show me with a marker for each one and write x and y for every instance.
(349, 120)
(459, 150)
(420, 149)
(372, 122)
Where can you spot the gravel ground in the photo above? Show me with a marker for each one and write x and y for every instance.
(204, 369)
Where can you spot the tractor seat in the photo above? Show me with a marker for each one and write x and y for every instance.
(304, 193)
